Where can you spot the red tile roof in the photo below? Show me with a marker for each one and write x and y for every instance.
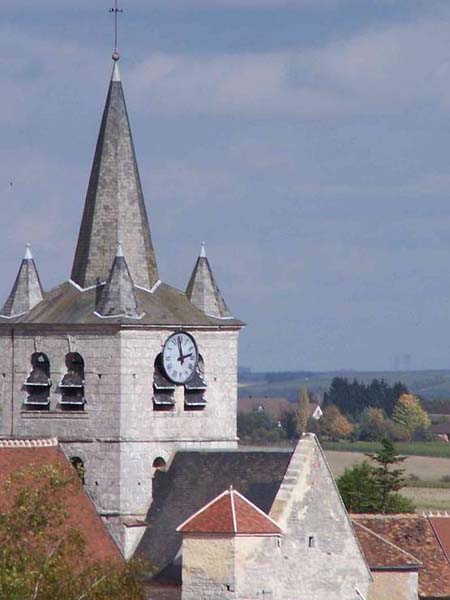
(441, 528)
(415, 535)
(82, 515)
(230, 513)
(381, 553)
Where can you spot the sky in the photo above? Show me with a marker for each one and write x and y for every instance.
(307, 142)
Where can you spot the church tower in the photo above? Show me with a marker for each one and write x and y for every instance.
(122, 368)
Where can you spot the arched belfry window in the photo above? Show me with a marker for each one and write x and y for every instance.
(163, 388)
(195, 389)
(79, 467)
(72, 384)
(38, 383)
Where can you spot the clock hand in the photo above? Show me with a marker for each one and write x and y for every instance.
(180, 350)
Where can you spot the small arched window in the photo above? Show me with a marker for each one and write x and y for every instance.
(78, 465)
(38, 383)
(195, 389)
(72, 384)
(163, 388)
(159, 464)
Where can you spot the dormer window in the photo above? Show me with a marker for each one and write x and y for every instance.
(72, 384)
(163, 388)
(38, 383)
(195, 389)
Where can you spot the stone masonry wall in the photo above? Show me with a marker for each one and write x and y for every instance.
(321, 557)
(119, 435)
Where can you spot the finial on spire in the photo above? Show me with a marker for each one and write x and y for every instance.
(203, 250)
(28, 255)
(116, 11)
(119, 252)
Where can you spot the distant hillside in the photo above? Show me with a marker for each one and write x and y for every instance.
(432, 385)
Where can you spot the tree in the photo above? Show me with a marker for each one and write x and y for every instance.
(372, 424)
(409, 413)
(41, 556)
(358, 489)
(334, 425)
(258, 426)
(302, 412)
(389, 479)
(353, 397)
(374, 487)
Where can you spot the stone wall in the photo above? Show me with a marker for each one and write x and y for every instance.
(118, 435)
(394, 584)
(321, 556)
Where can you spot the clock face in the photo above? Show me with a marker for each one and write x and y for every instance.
(180, 357)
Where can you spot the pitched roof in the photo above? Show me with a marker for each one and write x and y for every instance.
(415, 534)
(382, 554)
(67, 304)
(118, 298)
(82, 515)
(202, 289)
(114, 209)
(230, 513)
(195, 478)
(27, 289)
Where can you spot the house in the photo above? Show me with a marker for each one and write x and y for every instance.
(426, 538)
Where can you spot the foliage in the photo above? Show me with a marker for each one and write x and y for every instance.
(353, 397)
(289, 425)
(358, 489)
(409, 413)
(41, 556)
(388, 478)
(302, 412)
(258, 426)
(372, 424)
(334, 424)
(374, 487)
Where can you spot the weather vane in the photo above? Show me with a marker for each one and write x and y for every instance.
(115, 11)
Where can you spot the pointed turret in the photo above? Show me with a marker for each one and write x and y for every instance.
(27, 289)
(118, 298)
(203, 291)
(114, 209)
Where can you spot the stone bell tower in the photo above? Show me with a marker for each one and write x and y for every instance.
(83, 362)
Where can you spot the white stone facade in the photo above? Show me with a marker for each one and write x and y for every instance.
(118, 435)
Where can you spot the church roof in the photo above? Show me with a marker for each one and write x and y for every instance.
(202, 289)
(27, 289)
(18, 455)
(230, 513)
(114, 209)
(193, 479)
(118, 298)
(166, 306)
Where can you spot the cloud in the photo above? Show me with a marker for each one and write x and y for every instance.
(380, 71)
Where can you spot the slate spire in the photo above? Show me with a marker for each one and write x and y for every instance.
(203, 291)
(114, 209)
(118, 298)
(27, 289)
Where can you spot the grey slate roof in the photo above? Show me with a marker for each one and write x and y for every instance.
(27, 289)
(203, 291)
(194, 479)
(166, 306)
(114, 208)
(118, 298)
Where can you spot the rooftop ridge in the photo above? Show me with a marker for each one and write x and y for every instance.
(36, 443)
